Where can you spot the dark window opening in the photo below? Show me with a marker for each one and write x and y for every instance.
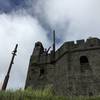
(84, 63)
(42, 71)
(83, 60)
(91, 45)
(90, 94)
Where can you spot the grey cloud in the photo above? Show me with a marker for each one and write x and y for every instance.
(79, 19)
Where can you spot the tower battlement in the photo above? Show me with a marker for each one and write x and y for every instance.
(39, 54)
(74, 70)
(80, 45)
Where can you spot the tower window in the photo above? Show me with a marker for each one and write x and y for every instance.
(84, 64)
(83, 60)
(90, 94)
(42, 72)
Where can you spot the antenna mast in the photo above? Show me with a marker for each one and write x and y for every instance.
(53, 51)
(54, 41)
(10, 66)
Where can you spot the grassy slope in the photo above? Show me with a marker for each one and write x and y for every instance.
(46, 94)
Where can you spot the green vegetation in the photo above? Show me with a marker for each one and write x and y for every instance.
(45, 94)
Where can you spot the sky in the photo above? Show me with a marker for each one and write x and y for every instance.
(28, 21)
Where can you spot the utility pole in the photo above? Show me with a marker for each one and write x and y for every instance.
(10, 66)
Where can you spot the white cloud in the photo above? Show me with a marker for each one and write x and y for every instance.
(24, 30)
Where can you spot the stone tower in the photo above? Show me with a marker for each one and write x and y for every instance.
(74, 71)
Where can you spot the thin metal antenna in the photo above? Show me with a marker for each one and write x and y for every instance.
(54, 41)
(8, 73)
(53, 51)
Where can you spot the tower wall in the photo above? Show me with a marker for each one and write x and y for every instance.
(76, 69)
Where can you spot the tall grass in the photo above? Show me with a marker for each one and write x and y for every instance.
(41, 94)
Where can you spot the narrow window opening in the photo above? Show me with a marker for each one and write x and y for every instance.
(42, 72)
(83, 60)
(84, 63)
(90, 94)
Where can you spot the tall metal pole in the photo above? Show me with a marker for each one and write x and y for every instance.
(54, 46)
(54, 40)
(8, 73)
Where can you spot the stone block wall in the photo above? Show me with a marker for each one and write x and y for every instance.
(76, 70)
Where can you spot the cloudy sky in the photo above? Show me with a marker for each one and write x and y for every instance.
(27, 21)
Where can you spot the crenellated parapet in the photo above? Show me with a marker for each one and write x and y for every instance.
(80, 45)
(42, 57)
(72, 70)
